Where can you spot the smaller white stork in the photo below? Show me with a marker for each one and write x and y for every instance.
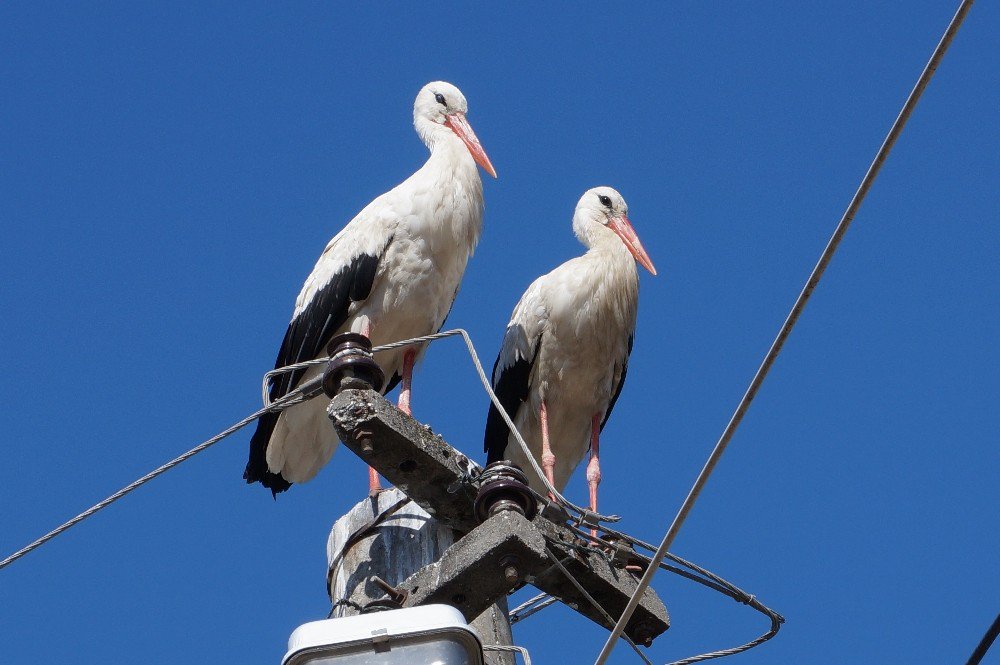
(392, 273)
(564, 355)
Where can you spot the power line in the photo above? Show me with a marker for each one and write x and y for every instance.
(306, 391)
(590, 599)
(786, 328)
(312, 388)
(276, 406)
(586, 514)
(985, 643)
(697, 574)
(529, 607)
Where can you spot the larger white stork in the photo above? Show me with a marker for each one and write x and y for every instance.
(565, 353)
(392, 273)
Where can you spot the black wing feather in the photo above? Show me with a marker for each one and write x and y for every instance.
(392, 383)
(512, 388)
(621, 383)
(306, 338)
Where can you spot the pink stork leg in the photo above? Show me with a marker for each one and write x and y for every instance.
(407, 381)
(548, 457)
(404, 405)
(594, 466)
(374, 486)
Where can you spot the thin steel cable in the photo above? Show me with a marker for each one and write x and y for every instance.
(306, 391)
(713, 582)
(524, 614)
(984, 645)
(510, 423)
(775, 626)
(530, 607)
(793, 316)
(276, 406)
(321, 361)
(593, 601)
(509, 649)
(560, 499)
(740, 596)
(530, 602)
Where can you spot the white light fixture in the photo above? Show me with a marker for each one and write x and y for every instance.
(432, 634)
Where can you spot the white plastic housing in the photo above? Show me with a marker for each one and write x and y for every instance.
(431, 634)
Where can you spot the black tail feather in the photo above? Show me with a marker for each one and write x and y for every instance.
(257, 470)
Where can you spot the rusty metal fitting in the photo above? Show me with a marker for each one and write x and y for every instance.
(511, 567)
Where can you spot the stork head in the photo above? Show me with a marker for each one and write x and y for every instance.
(441, 107)
(605, 207)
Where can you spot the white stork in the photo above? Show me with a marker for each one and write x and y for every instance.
(565, 352)
(392, 273)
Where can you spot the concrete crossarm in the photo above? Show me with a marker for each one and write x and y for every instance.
(502, 552)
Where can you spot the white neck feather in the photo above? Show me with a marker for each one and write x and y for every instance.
(602, 241)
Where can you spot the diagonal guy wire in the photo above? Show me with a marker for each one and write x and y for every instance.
(593, 601)
(786, 328)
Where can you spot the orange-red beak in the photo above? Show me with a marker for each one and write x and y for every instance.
(623, 228)
(458, 124)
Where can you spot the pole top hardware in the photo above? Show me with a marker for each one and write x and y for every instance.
(351, 365)
(503, 486)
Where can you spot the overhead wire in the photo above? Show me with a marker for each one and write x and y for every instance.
(530, 607)
(696, 574)
(593, 601)
(313, 388)
(587, 514)
(786, 328)
(276, 406)
(984, 644)
(699, 574)
(301, 393)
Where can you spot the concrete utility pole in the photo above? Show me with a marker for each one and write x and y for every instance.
(451, 532)
(389, 537)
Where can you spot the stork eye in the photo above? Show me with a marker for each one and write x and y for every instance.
(605, 200)
(439, 98)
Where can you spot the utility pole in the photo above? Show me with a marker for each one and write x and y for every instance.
(452, 532)
(381, 542)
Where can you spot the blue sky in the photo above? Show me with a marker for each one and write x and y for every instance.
(169, 173)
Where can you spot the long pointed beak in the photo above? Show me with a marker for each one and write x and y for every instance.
(623, 228)
(458, 124)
